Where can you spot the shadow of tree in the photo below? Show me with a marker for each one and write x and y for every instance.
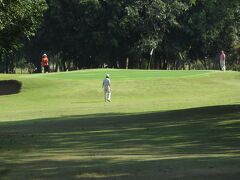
(194, 143)
(8, 87)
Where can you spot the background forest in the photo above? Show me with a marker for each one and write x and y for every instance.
(144, 34)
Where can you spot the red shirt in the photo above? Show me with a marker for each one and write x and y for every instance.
(44, 61)
(222, 57)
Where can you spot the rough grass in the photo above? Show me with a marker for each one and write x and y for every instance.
(168, 125)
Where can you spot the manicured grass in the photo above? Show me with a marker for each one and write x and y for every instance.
(160, 124)
(78, 93)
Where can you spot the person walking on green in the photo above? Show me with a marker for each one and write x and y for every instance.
(222, 61)
(107, 88)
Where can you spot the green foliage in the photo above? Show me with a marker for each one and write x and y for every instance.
(89, 33)
(24, 65)
(19, 19)
(212, 26)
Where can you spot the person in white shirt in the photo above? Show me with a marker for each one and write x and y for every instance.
(107, 88)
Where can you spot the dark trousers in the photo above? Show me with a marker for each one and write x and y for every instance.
(46, 68)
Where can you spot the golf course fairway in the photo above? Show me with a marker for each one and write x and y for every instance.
(159, 125)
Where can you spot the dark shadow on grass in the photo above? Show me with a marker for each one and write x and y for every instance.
(9, 87)
(196, 143)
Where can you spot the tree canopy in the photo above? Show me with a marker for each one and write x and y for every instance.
(19, 19)
(89, 33)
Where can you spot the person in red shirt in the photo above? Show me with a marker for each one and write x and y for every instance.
(44, 63)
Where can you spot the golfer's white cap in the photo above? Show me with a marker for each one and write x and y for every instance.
(107, 75)
(44, 55)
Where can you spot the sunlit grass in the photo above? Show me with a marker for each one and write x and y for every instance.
(133, 91)
(160, 124)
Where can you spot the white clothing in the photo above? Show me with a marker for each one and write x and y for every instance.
(107, 95)
(106, 83)
(107, 89)
(222, 65)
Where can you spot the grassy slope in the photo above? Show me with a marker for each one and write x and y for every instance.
(166, 124)
(80, 93)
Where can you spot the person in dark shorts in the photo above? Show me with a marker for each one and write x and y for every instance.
(44, 63)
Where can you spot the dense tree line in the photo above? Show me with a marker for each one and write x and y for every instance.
(19, 19)
(156, 34)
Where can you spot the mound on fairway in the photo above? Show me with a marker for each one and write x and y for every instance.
(160, 125)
